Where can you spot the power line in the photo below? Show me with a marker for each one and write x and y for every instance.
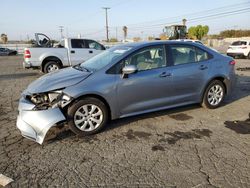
(192, 19)
(192, 14)
(207, 18)
(213, 14)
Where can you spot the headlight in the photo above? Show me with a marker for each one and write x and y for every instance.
(48, 100)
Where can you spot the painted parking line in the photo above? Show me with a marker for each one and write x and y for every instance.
(4, 180)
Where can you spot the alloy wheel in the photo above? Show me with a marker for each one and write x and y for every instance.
(88, 117)
(215, 95)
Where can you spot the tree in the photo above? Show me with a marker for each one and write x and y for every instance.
(4, 38)
(125, 32)
(151, 38)
(163, 36)
(198, 31)
(136, 39)
(235, 33)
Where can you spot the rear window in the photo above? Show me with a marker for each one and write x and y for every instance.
(239, 43)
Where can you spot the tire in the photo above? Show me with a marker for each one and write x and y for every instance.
(51, 66)
(80, 118)
(248, 57)
(214, 95)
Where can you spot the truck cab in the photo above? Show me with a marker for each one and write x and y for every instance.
(47, 56)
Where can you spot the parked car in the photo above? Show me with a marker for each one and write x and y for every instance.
(124, 81)
(239, 49)
(7, 51)
(68, 52)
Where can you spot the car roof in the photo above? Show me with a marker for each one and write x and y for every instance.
(157, 42)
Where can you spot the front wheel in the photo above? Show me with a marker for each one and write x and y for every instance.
(214, 95)
(87, 116)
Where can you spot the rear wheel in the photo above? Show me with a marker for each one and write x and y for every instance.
(248, 56)
(214, 95)
(87, 116)
(51, 66)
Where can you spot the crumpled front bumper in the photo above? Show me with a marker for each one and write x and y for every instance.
(34, 124)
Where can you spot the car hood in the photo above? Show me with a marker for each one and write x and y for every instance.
(57, 80)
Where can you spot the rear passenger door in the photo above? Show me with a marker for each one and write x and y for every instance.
(79, 51)
(190, 67)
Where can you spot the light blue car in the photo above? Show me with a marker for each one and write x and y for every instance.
(125, 81)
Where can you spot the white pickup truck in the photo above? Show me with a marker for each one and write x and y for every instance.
(68, 52)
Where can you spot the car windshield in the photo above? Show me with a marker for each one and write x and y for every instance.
(239, 43)
(101, 60)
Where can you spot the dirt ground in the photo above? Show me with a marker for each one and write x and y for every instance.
(182, 147)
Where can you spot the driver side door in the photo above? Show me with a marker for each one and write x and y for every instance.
(150, 87)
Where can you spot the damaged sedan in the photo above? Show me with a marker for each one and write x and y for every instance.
(124, 81)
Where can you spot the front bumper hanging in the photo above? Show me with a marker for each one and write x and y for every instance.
(34, 124)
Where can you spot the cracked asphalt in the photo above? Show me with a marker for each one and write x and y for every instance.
(183, 147)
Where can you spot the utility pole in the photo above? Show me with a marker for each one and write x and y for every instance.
(61, 28)
(116, 33)
(107, 27)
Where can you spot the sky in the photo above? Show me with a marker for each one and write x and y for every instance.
(20, 19)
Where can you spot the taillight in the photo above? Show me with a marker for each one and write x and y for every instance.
(232, 62)
(27, 54)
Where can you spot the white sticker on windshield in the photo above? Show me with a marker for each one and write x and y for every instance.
(121, 51)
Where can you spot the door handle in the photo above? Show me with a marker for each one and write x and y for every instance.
(72, 51)
(91, 51)
(203, 67)
(165, 74)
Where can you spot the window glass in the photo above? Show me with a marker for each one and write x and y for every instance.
(239, 43)
(201, 55)
(103, 59)
(146, 59)
(187, 54)
(183, 54)
(78, 43)
(94, 45)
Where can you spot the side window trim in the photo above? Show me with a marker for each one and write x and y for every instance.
(170, 55)
(149, 47)
(135, 52)
(180, 45)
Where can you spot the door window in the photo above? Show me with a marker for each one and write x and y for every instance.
(182, 54)
(95, 45)
(78, 43)
(149, 58)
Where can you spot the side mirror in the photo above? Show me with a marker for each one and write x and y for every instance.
(129, 69)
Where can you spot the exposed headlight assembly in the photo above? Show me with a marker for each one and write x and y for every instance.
(48, 100)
